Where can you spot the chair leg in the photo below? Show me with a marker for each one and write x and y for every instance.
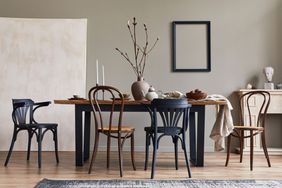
(56, 144)
(29, 144)
(154, 156)
(39, 141)
(11, 147)
(132, 151)
(120, 155)
(95, 149)
(108, 151)
(184, 146)
(252, 149)
(241, 139)
(265, 148)
(228, 149)
(175, 141)
(147, 150)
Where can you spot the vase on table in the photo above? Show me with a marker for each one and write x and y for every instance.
(139, 89)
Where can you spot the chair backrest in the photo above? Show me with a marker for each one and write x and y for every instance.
(170, 111)
(254, 105)
(116, 106)
(22, 111)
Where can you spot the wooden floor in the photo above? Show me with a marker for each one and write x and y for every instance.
(21, 173)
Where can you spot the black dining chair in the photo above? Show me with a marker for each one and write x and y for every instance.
(170, 111)
(23, 118)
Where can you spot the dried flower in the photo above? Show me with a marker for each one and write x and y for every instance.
(140, 52)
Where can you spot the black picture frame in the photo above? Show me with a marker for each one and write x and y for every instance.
(204, 38)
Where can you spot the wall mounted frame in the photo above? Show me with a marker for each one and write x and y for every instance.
(191, 46)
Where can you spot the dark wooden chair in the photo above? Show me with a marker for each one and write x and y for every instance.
(253, 124)
(170, 111)
(23, 118)
(104, 123)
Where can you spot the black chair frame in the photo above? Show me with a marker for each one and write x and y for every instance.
(170, 111)
(23, 118)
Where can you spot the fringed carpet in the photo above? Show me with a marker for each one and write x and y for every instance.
(159, 183)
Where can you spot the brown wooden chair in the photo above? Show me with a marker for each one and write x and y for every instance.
(108, 128)
(253, 123)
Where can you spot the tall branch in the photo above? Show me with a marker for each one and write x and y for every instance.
(145, 50)
(135, 44)
(153, 45)
(140, 53)
(127, 58)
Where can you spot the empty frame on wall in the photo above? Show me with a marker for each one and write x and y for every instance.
(191, 46)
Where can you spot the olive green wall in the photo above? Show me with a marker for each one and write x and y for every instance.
(245, 37)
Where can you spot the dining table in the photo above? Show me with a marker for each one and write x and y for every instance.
(83, 109)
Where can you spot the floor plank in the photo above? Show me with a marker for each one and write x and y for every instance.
(21, 173)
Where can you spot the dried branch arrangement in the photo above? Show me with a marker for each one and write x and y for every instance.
(140, 52)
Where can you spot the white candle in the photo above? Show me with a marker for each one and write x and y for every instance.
(97, 72)
(103, 75)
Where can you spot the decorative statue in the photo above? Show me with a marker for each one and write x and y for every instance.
(268, 71)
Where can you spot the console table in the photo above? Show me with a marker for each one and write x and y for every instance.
(82, 134)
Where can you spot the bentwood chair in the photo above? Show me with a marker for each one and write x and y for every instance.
(104, 123)
(23, 118)
(170, 111)
(253, 123)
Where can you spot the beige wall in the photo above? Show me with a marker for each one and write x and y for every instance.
(245, 37)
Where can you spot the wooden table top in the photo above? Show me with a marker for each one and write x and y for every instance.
(132, 102)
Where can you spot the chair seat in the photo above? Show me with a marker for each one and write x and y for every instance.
(114, 129)
(249, 128)
(166, 130)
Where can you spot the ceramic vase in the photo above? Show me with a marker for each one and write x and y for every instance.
(139, 89)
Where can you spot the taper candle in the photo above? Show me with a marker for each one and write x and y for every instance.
(103, 75)
(97, 72)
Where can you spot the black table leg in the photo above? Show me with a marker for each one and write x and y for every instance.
(78, 136)
(197, 135)
(86, 134)
(201, 136)
(192, 136)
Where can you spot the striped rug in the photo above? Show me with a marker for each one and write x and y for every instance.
(46, 183)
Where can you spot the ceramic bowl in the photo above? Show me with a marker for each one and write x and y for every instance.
(76, 96)
(196, 95)
(126, 95)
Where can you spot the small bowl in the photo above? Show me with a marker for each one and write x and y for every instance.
(279, 86)
(76, 96)
(126, 95)
(196, 95)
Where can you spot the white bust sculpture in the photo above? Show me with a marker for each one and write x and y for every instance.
(268, 71)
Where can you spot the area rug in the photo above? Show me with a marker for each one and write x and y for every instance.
(159, 183)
